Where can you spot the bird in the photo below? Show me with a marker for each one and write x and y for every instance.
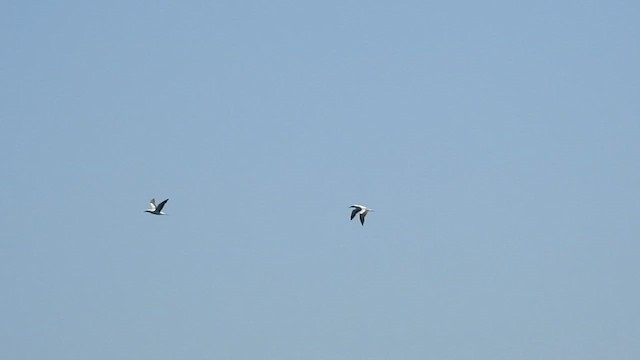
(360, 209)
(156, 210)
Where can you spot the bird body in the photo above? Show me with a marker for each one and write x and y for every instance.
(360, 210)
(156, 210)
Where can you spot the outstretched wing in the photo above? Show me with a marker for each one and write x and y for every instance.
(355, 211)
(152, 203)
(161, 205)
(362, 218)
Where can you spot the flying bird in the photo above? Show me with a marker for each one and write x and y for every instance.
(360, 210)
(156, 210)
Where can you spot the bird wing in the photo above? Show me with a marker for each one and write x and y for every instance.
(362, 218)
(161, 205)
(355, 211)
(152, 203)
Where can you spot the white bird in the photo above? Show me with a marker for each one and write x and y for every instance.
(156, 210)
(361, 210)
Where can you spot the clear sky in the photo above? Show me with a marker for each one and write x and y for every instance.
(497, 141)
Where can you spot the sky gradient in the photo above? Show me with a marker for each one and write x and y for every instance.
(498, 143)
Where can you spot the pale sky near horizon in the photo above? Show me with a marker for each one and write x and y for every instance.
(497, 142)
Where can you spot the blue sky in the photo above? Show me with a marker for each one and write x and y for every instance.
(497, 141)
